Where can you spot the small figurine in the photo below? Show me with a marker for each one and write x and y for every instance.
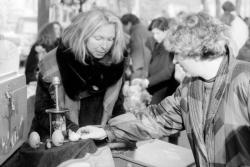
(48, 144)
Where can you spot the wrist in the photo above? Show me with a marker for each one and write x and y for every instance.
(109, 134)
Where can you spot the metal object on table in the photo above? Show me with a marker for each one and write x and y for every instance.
(123, 160)
(57, 116)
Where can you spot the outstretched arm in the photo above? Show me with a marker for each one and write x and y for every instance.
(158, 121)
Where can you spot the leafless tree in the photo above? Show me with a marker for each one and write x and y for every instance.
(218, 8)
(238, 5)
(205, 5)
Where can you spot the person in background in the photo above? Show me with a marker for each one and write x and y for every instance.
(90, 64)
(247, 21)
(139, 53)
(213, 104)
(244, 52)
(238, 28)
(47, 39)
(161, 68)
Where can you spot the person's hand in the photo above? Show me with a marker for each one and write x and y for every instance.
(92, 132)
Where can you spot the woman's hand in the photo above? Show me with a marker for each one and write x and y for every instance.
(92, 132)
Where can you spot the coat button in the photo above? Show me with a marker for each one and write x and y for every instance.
(95, 88)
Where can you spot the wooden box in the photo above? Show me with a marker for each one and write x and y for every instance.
(13, 113)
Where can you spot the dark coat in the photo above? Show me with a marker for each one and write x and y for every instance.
(161, 72)
(139, 53)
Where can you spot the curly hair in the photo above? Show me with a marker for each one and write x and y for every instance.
(198, 35)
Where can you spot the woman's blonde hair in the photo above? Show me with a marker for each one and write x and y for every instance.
(85, 25)
(198, 35)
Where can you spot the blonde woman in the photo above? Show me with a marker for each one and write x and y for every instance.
(90, 64)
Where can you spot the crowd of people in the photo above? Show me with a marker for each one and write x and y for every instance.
(197, 71)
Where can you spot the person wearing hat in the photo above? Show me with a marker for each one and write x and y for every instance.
(228, 17)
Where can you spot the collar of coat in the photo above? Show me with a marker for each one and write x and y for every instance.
(195, 97)
(92, 78)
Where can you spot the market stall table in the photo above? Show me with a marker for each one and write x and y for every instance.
(43, 157)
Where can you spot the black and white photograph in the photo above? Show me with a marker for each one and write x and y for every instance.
(124, 83)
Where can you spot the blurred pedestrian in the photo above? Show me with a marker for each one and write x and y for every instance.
(238, 28)
(139, 53)
(47, 39)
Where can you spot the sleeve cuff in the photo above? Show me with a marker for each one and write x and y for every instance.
(110, 134)
(73, 127)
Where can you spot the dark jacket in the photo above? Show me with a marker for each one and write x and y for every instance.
(139, 53)
(161, 72)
